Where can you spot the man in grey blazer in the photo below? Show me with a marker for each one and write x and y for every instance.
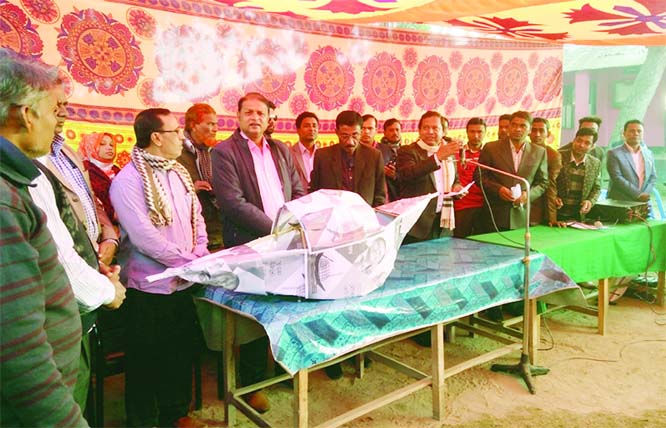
(307, 127)
(253, 176)
(517, 156)
(350, 165)
(631, 167)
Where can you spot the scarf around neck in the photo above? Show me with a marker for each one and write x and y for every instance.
(160, 210)
(448, 173)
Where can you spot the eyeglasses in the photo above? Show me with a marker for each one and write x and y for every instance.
(177, 130)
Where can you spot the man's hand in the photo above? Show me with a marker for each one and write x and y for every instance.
(113, 273)
(457, 188)
(558, 203)
(557, 224)
(107, 249)
(644, 197)
(585, 207)
(202, 185)
(522, 200)
(505, 194)
(446, 150)
(389, 170)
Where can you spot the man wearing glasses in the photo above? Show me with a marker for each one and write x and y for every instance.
(158, 209)
(350, 165)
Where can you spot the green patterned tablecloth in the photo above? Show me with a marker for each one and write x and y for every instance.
(588, 255)
(432, 282)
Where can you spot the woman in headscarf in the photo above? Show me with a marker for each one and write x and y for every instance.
(98, 151)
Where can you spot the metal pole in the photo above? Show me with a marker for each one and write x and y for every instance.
(523, 368)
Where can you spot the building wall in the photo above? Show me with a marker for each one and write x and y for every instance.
(605, 80)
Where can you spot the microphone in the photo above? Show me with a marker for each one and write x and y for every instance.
(463, 157)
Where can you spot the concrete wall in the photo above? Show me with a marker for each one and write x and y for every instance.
(655, 118)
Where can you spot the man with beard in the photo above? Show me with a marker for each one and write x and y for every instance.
(200, 130)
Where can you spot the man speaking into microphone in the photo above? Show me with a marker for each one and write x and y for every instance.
(506, 196)
(468, 208)
(428, 166)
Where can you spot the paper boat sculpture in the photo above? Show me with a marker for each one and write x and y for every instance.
(329, 244)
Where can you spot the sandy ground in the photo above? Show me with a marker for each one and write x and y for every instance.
(616, 380)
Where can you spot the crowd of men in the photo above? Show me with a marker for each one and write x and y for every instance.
(184, 195)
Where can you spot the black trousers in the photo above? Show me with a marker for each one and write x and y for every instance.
(466, 222)
(253, 361)
(161, 333)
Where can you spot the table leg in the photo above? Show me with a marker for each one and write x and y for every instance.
(229, 364)
(360, 365)
(534, 333)
(437, 341)
(450, 333)
(301, 399)
(602, 305)
(661, 284)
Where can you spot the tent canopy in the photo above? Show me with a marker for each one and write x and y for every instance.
(592, 22)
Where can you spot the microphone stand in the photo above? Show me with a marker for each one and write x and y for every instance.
(523, 368)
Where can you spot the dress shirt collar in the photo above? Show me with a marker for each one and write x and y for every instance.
(573, 159)
(247, 139)
(631, 149)
(304, 149)
(57, 144)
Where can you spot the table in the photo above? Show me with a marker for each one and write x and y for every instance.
(597, 255)
(432, 283)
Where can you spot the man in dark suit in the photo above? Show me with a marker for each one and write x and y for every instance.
(253, 176)
(427, 166)
(350, 165)
(515, 156)
(249, 198)
(579, 183)
(307, 127)
(631, 167)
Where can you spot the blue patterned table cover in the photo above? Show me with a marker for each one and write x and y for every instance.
(432, 282)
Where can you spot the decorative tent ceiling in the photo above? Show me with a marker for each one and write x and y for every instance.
(594, 22)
